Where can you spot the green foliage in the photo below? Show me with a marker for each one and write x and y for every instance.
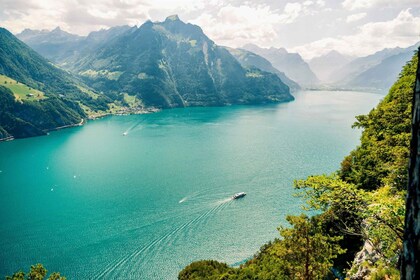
(384, 223)
(32, 118)
(37, 272)
(211, 270)
(338, 199)
(363, 201)
(374, 177)
(342, 206)
(48, 97)
(307, 251)
(377, 216)
(304, 252)
(382, 157)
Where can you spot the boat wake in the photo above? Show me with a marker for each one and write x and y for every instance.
(188, 197)
(183, 200)
(134, 126)
(141, 254)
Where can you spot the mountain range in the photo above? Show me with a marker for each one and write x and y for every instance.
(324, 66)
(157, 65)
(374, 72)
(292, 64)
(332, 69)
(67, 49)
(174, 64)
(250, 59)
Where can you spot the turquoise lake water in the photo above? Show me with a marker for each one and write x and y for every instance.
(94, 204)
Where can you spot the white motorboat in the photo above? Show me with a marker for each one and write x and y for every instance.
(238, 195)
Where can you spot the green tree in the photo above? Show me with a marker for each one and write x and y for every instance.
(36, 272)
(342, 205)
(377, 216)
(20, 275)
(382, 157)
(306, 250)
(211, 270)
(56, 276)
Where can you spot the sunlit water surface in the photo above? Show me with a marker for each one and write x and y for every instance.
(94, 204)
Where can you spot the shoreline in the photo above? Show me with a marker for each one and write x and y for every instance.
(82, 122)
(9, 138)
(123, 112)
(94, 117)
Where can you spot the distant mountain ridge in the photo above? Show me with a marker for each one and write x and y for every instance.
(64, 48)
(123, 69)
(377, 71)
(292, 64)
(325, 65)
(170, 64)
(250, 59)
(36, 96)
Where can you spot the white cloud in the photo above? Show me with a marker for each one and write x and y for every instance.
(280, 23)
(355, 17)
(292, 12)
(401, 31)
(238, 25)
(320, 3)
(360, 4)
(81, 17)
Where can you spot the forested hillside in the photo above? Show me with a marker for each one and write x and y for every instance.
(174, 64)
(36, 96)
(360, 225)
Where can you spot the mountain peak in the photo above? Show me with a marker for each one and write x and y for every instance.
(172, 18)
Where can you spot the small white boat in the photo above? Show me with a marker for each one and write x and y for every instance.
(238, 195)
(125, 134)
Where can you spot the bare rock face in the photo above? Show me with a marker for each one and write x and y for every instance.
(410, 266)
(362, 261)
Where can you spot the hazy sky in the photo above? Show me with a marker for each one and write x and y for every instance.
(311, 27)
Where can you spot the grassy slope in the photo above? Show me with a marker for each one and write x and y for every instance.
(21, 91)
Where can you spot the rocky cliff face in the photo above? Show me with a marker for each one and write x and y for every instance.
(363, 260)
(410, 268)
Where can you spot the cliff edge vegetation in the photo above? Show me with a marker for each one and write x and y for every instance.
(358, 231)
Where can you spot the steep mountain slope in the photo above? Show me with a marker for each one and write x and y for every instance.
(174, 64)
(382, 75)
(327, 64)
(376, 71)
(55, 45)
(250, 59)
(58, 95)
(291, 64)
(64, 48)
(32, 118)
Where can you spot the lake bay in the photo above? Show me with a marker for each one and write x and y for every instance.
(95, 204)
